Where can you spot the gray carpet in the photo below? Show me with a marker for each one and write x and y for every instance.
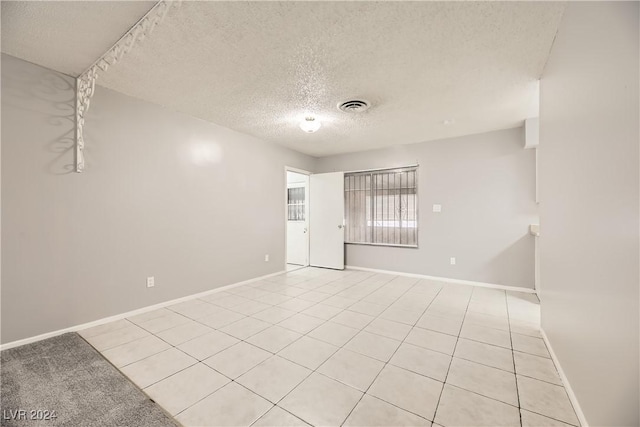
(65, 375)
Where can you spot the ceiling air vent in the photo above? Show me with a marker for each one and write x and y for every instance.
(354, 106)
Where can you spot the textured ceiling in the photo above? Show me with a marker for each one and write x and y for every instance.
(260, 67)
(66, 36)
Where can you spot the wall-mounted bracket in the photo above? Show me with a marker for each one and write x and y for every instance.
(85, 83)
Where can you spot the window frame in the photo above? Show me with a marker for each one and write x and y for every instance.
(297, 208)
(371, 172)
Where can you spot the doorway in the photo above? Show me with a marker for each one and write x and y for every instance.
(297, 218)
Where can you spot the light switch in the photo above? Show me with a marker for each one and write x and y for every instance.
(437, 208)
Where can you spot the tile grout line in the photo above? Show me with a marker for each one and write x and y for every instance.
(176, 346)
(496, 368)
(452, 355)
(342, 309)
(537, 379)
(338, 347)
(125, 376)
(391, 357)
(272, 355)
(325, 321)
(232, 380)
(513, 357)
(312, 370)
(281, 408)
(414, 325)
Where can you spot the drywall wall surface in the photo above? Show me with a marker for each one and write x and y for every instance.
(191, 203)
(296, 178)
(485, 184)
(589, 213)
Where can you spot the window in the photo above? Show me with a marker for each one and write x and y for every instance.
(295, 203)
(381, 207)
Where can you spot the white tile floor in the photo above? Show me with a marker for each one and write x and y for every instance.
(330, 348)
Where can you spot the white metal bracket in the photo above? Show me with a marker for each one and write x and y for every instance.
(85, 83)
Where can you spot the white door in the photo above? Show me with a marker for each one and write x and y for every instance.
(297, 243)
(327, 220)
(297, 220)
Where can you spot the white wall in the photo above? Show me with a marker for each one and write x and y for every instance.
(194, 204)
(589, 185)
(486, 186)
(294, 177)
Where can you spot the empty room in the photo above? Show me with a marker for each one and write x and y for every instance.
(319, 213)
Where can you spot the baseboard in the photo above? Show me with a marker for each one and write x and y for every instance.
(565, 381)
(130, 313)
(447, 280)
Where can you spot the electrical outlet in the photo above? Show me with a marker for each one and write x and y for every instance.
(151, 282)
(437, 208)
(452, 260)
(266, 258)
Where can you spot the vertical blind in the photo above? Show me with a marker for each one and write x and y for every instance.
(381, 207)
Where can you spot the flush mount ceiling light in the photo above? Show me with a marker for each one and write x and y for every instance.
(310, 124)
(449, 122)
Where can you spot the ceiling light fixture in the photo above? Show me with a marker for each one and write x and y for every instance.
(310, 124)
(448, 122)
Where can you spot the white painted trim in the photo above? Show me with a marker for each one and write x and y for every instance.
(296, 170)
(447, 280)
(383, 169)
(131, 313)
(307, 198)
(565, 381)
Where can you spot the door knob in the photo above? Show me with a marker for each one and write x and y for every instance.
(340, 226)
(304, 231)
